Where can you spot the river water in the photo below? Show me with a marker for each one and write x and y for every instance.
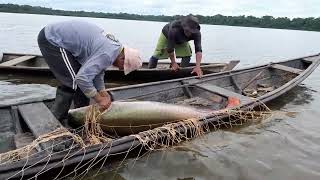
(283, 147)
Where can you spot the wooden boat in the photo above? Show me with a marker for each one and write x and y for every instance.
(33, 68)
(268, 81)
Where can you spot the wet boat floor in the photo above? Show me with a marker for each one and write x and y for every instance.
(209, 103)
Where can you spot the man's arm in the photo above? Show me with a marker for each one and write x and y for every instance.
(174, 65)
(86, 76)
(102, 94)
(198, 50)
(98, 82)
(198, 58)
(170, 49)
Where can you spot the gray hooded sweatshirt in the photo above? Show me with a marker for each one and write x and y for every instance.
(93, 50)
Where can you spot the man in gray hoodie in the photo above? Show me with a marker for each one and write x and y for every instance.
(78, 54)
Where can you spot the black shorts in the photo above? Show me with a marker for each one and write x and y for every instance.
(61, 62)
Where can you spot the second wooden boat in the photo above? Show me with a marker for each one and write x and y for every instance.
(28, 68)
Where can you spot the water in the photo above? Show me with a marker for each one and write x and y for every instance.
(284, 147)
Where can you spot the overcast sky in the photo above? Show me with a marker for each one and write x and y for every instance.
(276, 8)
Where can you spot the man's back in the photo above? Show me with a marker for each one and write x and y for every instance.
(82, 39)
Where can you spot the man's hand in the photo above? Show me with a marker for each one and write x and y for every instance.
(103, 101)
(197, 70)
(174, 66)
(104, 93)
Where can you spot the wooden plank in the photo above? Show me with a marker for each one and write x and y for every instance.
(6, 123)
(224, 92)
(287, 68)
(6, 131)
(252, 80)
(311, 59)
(17, 60)
(186, 89)
(235, 85)
(39, 119)
(243, 78)
(231, 65)
(16, 120)
(23, 139)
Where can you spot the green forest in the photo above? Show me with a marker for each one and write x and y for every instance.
(308, 24)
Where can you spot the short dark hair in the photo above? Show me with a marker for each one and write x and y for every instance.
(191, 23)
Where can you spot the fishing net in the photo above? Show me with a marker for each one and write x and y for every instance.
(26, 151)
(91, 142)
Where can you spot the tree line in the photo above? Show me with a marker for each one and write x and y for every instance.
(309, 24)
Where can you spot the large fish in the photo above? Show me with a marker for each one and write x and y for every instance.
(125, 118)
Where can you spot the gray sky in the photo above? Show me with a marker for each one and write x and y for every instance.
(276, 8)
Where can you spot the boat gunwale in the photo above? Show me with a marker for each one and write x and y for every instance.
(203, 65)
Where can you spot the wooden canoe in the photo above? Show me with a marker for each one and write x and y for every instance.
(33, 68)
(215, 89)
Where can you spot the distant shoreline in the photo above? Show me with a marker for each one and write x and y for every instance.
(306, 24)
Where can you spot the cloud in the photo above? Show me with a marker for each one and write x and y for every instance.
(277, 8)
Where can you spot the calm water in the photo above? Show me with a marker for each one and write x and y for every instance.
(284, 147)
